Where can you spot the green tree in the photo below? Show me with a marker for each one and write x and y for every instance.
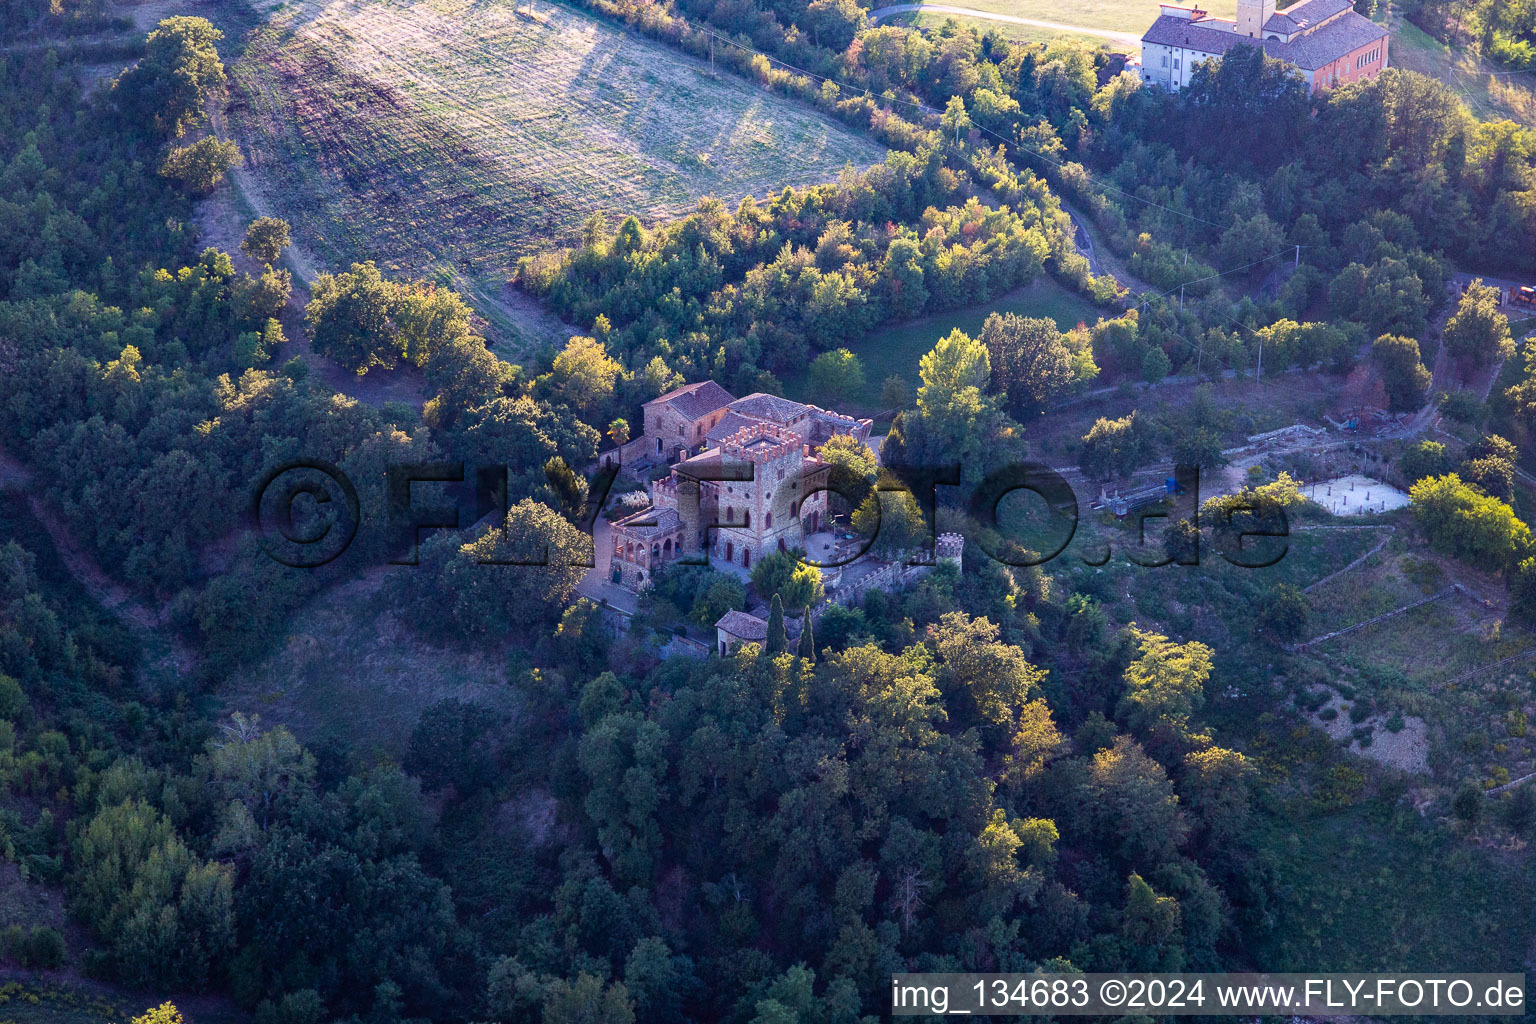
(1422, 459)
(1133, 809)
(588, 1001)
(584, 376)
(1115, 448)
(724, 594)
(1284, 612)
(1467, 804)
(618, 432)
(518, 576)
(782, 574)
(1402, 371)
(1522, 590)
(895, 393)
(836, 375)
(265, 239)
(350, 318)
(1460, 521)
(453, 745)
(956, 417)
(806, 646)
(167, 918)
(955, 121)
(902, 274)
(855, 470)
(1217, 783)
(1165, 686)
(199, 168)
(987, 681)
(1478, 333)
(892, 520)
(1155, 365)
(179, 74)
(1197, 446)
(1030, 363)
(777, 640)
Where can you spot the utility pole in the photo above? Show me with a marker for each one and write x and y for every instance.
(1261, 359)
(1181, 298)
(711, 55)
(1298, 256)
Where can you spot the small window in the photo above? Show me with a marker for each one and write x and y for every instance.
(1165, 60)
(1175, 63)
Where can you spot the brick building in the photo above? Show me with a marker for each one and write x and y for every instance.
(749, 489)
(1323, 39)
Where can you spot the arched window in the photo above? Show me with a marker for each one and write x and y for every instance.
(770, 520)
(730, 514)
(655, 550)
(746, 517)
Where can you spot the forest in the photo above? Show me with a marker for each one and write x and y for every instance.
(984, 773)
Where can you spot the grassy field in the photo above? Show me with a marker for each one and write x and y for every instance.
(1110, 15)
(895, 350)
(1489, 95)
(1024, 33)
(448, 138)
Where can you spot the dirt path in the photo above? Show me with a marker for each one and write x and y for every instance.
(1130, 41)
(104, 590)
(1102, 253)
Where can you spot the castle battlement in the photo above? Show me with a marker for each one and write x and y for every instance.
(949, 547)
(763, 442)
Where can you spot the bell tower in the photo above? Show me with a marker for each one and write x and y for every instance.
(1251, 16)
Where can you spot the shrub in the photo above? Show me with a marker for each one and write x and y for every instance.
(200, 167)
(44, 948)
(1395, 722)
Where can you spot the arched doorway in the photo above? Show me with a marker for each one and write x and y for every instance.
(729, 552)
(813, 520)
(746, 558)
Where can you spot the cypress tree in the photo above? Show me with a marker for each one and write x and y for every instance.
(807, 647)
(778, 640)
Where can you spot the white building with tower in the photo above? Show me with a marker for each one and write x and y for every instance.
(1325, 40)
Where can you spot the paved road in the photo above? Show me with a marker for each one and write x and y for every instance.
(1128, 40)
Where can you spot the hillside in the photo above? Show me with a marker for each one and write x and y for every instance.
(463, 134)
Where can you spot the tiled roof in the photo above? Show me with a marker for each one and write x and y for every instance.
(695, 400)
(1309, 52)
(1305, 14)
(731, 422)
(650, 522)
(1171, 31)
(752, 629)
(763, 406)
(1321, 48)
